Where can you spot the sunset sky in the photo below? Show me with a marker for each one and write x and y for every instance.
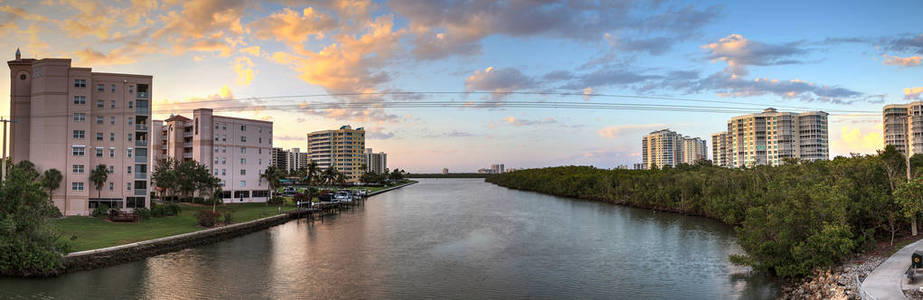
(282, 60)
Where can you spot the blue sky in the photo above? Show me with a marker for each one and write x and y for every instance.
(845, 58)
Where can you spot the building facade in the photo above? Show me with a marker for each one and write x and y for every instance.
(770, 137)
(280, 158)
(667, 148)
(236, 150)
(376, 162)
(73, 119)
(719, 149)
(296, 159)
(903, 126)
(342, 149)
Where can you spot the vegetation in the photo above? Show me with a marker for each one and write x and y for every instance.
(450, 175)
(98, 177)
(207, 218)
(790, 219)
(184, 180)
(28, 246)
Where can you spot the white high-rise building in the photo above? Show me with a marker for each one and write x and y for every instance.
(903, 126)
(768, 138)
(236, 150)
(376, 162)
(342, 149)
(667, 148)
(73, 119)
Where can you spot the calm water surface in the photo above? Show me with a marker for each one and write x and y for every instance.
(442, 238)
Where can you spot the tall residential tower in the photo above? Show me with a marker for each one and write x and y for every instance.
(768, 138)
(667, 148)
(342, 149)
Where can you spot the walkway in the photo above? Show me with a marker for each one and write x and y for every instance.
(885, 281)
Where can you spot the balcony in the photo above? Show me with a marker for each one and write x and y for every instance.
(140, 143)
(140, 127)
(142, 95)
(187, 133)
(141, 159)
(142, 110)
(141, 192)
(187, 155)
(142, 176)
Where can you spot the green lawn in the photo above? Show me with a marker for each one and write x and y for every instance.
(93, 233)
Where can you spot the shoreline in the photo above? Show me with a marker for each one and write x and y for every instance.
(114, 255)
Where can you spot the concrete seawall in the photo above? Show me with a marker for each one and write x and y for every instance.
(104, 257)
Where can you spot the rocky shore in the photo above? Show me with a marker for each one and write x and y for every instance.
(839, 282)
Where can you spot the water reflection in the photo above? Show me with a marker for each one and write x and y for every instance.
(442, 239)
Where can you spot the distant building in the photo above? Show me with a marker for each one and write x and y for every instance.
(667, 148)
(296, 160)
(483, 171)
(376, 162)
(903, 126)
(236, 150)
(637, 166)
(445, 171)
(719, 149)
(280, 158)
(496, 169)
(343, 149)
(73, 119)
(768, 138)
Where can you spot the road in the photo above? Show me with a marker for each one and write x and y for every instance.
(886, 281)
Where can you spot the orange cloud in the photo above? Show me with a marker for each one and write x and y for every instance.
(902, 61)
(292, 28)
(243, 66)
(617, 131)
(862, 139)
(913, 93)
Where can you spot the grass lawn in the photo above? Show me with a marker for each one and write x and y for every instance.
(93, 233)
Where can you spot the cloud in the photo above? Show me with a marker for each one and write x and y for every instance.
(450, 134)
(378, 133)
(292, 28)
(243, 66)
(498, 80)
(617, 131)
(906, 44)
(739, 53)
(606, 76)
(727, 85)
(457, 27)
(863, 139)
(913, 93)
(513, 121)
(909, 61)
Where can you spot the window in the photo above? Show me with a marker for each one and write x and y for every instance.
(128, 186)
(80, 83)
(79, 134)
(76, 186)
(224, 161)
(78, 169)
(111, 186)
(128, 170)
(112, 120)
(78, 150)
(243, 161)
(112, 137)
(224, 172)
(260, 140)
(129, 152)
(99, 119)
(216, 150)
(224, 149)
(99, 151)
(80, 100)
(243, 139)
(100, 104)
(100, 87)
(80, 117)
(112, 105)
(113, 88)
(131, 104)
(99, 136)
(111, 152)
(243, 150)
(243, 172)
(259, 151)
(243, 183)
(129, 137)
(224, 138)
(111, 169)
(243, 127)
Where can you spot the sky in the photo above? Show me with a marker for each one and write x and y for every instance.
(465, 84)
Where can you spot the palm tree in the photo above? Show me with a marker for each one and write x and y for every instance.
(51, 181)
(313, 172)
(272, 176)
(329, 175)
(98, 176)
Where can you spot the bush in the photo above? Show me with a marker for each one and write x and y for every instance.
(143, 213)
(207, 218)
(228, 218)
(171, 209)
(276, 201)
(157, 211)
(100, 211)
(301, 197)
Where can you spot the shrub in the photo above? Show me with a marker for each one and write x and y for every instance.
(171, 209)
(276, 201)
(157, 211)
(143, 213)
(301, 197)
(100, 211)
(228, 218)
(207, 218)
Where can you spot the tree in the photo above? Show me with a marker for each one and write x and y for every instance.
(272, 175)
(313, 172)
(28, 245)
(51, 180)
(909, 195)
(98, 177)
(165, 177)
(329, 175)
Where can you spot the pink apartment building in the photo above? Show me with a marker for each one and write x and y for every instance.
(72, 119)
(236, 150)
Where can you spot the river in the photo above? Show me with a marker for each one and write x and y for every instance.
(442, 238)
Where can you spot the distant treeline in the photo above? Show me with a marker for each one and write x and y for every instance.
(450, 175)
(790, 219)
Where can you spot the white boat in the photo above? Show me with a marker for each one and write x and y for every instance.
(343, 196)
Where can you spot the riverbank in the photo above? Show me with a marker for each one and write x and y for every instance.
(175, 233)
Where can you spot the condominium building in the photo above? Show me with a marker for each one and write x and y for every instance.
(768, 138)
(280, 158)
(339, 148)
(235, 150)
(903, 126)
(296, 159)
(719, 149)
(73, 119)
(667, 148)
(376, 162)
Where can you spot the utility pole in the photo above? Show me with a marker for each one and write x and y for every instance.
(3, 163)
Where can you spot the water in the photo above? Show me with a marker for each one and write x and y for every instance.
(442, 238)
